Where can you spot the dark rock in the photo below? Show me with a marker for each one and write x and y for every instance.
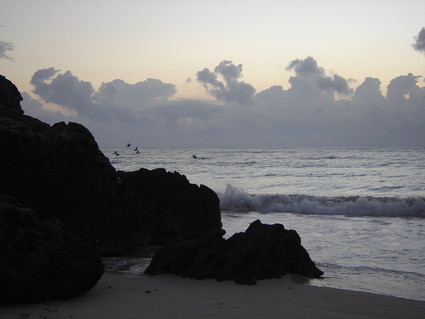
(62, 178)
(262, 252)
(10, 98)
(59, 171)
(40, 260)
(172, 208)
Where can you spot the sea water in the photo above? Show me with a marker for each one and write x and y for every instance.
(360, 212)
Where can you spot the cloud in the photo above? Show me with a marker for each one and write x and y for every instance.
(229, 89)
(4, 47)
(113, 100)
(419, 44)
(135, 96)
(309, 72)
(369, 91)
(317, 109)
(185, 116)
(65, 90)
(400, 87)
(37, 109)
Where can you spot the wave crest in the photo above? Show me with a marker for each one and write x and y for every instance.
(237, 200)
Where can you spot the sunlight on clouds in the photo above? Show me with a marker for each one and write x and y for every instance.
(53, 107)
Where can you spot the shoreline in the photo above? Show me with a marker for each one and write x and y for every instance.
(169, 296)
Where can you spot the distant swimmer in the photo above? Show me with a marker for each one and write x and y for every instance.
(136, 149)
(116, 153)
(128, 144)
(194, 156)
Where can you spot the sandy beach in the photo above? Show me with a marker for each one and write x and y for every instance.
(168, 296)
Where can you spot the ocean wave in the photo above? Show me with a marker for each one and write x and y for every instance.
(239, 201)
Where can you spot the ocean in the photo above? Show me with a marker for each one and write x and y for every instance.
(360, 212)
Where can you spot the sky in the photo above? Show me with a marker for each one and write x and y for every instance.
(222, 73)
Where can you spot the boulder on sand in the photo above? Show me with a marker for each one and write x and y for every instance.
(261, 252)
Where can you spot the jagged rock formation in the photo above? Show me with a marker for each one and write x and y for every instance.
(70, 193)
(59, 171)
(262, 252)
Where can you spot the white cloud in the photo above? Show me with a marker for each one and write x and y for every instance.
(317, 109)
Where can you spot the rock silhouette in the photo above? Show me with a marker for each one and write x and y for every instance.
(62, 204)
(42, 259)
(59, 171)
(261, 252)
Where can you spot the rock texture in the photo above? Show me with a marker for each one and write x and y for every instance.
(42, 259)
(262, 252)
(172, 208)
(59, 171)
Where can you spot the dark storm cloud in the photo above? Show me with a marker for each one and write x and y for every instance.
(230, 89)
(316, 109)
(419, 44)
(4, 47)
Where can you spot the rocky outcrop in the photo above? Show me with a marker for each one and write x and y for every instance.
(62, 178)
(59, 171)
(10, 98)
(262, 252)
(171, 208)
(42, 259)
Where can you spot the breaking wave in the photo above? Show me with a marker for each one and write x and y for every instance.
(239, 201)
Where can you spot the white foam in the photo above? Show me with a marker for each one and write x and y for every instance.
(238, 200)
